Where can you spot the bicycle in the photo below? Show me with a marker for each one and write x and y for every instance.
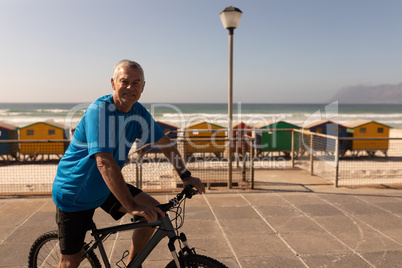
(45, 251)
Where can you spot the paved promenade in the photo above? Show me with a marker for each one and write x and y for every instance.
(292, 220)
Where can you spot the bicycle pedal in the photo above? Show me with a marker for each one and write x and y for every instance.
(121, 261)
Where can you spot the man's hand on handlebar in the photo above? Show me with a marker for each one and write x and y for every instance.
(195, 182)
(150, 213)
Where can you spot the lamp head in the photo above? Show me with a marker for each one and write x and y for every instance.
(230, 17)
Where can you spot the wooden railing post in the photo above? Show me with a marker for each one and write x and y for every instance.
(311, 154)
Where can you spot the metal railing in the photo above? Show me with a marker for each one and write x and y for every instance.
(29, 167)
(206, 158)
(348, 161)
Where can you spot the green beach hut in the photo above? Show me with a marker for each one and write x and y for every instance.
(279, 138)
(259, 129)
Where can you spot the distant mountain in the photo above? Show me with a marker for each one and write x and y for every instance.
(382, 94)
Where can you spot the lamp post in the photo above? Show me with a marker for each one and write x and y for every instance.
(230, 18)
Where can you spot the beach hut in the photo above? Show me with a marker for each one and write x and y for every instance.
(47, 130)
(169, 130)
(204, 137)
(258, 130)
(279, 138)
(8, 132)
(240, 130)
(368, 129)
(330, 128)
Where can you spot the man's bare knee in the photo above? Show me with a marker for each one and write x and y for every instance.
(70, 261)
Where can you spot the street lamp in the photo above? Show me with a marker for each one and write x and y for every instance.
(230, 18)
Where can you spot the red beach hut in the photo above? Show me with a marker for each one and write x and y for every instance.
(240, 130)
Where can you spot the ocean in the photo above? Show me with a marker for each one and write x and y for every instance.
(184, 114)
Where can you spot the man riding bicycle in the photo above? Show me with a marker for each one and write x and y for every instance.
(89, 174)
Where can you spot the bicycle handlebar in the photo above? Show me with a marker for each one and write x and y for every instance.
(188, 192)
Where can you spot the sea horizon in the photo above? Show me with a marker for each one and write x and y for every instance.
(182, 114)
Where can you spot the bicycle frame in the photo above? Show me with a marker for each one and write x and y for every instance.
(165, 229)
(44, 246)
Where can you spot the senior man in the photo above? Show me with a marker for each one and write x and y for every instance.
(89, 174)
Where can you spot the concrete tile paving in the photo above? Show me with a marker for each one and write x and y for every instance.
(291, 219)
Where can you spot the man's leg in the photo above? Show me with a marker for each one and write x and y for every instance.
(70, 261)
(140, 236)
(72, 227)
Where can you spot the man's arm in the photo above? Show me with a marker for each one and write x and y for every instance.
(171, 152)
(113, 178)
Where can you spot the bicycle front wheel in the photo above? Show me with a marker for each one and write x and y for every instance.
(45, 252)
(195, 260)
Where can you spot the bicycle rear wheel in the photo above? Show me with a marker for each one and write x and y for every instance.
(195, 260)
(45, 252)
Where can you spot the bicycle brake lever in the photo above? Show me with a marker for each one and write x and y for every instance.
(190, 192)
(165, 207)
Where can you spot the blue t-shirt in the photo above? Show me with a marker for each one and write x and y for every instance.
(78, 184)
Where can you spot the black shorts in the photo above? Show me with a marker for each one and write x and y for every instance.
(72, 226)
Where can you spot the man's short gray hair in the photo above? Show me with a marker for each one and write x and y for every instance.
(126, 63)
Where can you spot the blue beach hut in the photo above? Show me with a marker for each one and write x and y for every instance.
(8, 132)
(330, 128)
(170, 131)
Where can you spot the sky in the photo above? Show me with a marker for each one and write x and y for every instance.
(285, 51)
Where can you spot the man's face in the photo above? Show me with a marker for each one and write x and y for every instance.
(127, 88)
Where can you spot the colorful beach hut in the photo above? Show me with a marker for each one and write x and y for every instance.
(368, 129)
(47, 130)
(279, 138)
(240, 130)
(169, 130)
(258, 130)
(204, 137)
(330, 128)
(8, 132)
